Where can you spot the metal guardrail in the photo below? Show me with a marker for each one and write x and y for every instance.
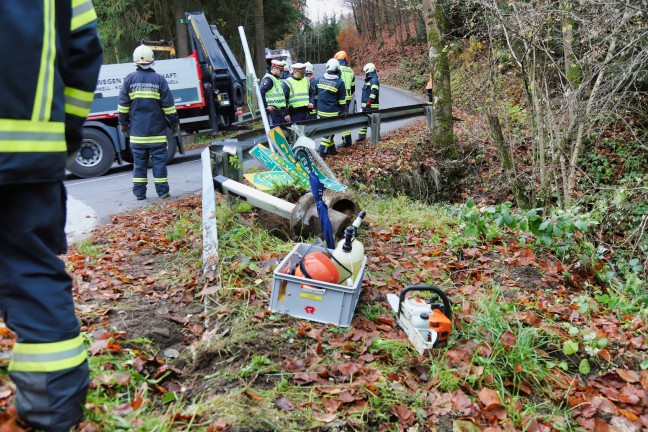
(317, 128)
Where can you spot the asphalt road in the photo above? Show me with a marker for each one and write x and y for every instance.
(91, 202)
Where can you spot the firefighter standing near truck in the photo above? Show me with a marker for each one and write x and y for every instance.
(299, 94)
(272, 94)
(370, 94)
(348, 76)
(145, 109)
(47, 83)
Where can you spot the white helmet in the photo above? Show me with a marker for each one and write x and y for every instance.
(309, 67)
(143, 56)
(369, 67)
(332, 65)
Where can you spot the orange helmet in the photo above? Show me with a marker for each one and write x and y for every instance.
(316, 265)
(341, 55)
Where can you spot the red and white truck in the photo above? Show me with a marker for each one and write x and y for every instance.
(208, 88)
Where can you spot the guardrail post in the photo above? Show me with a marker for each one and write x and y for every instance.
(374, 124)
(222, 161)
(429, 110)
(295, 131)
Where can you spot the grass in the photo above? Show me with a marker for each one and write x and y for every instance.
(402, 211)
(89, 249)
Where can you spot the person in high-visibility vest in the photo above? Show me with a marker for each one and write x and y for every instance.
(331, 102)
(348, 76)
(298, 93)
(146, 108)
(272, 94)
(370, 94)
(47, 83)
(310, 69)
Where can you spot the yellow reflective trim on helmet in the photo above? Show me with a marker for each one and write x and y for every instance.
(83, 13)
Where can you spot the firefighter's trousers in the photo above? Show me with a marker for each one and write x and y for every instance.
(158, 157)
(48, 366)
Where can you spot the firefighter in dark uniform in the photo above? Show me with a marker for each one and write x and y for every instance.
(272, 94)
(297, 91)
(331, 102)
(145, 109)
(370, 94)
(47, 84)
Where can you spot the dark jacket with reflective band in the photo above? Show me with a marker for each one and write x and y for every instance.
(331, 95)
(371, 91)
(146, 106)
(272, 92)
(297, 93)
(49, 74)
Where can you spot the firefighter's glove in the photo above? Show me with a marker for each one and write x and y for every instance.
(176, 130)
(344, 114)
(125, 130)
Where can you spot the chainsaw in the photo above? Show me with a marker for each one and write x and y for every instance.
(425, 322)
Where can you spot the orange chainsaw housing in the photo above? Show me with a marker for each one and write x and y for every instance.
(440, 323)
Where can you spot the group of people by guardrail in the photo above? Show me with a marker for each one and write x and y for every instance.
(301, 96)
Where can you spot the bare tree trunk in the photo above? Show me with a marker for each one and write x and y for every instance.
(399, 31)
(378, 22)
(259, 38)
(507, 162)
(442, 129)
(182, 43)
(419, 25)
(406, 20)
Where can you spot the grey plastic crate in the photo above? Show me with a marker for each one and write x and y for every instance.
(311, 299)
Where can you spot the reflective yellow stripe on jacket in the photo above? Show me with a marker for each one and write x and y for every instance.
(148, 139)
(147, 94)
(31, 136)
(82, 13)
(78, 102)
(48, 357)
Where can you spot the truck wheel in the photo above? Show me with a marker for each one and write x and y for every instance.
(95, 156)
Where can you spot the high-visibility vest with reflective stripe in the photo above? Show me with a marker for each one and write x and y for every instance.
(275, 96)
(48, 357)
(349, 81)
(53, 72)
(298, 92)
